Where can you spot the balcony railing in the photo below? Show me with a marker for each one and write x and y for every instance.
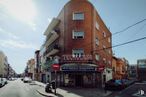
(51, 50)
(51, 26)
(51, 38)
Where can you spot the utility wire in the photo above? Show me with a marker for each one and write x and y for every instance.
(88, 44)
(129, 27)
(122, 44)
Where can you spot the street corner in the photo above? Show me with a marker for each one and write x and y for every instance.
(43, 93)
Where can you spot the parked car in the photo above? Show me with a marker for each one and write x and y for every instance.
(1, 82)
(118, 84)
(22, 79)
(5, 80)
(27, 80)
(113, 85)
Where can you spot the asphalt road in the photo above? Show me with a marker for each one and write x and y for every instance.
(131, 91)
(19, 89)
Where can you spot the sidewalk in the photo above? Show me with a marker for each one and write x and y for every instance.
(73, 92)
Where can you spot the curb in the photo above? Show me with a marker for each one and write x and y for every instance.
(46, 94)
(107, 94)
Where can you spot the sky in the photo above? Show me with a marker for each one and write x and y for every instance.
(23, 22)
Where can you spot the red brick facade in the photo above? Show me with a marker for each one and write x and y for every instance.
(88, 25)
(94, 40)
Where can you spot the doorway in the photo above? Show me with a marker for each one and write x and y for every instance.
(79, 80)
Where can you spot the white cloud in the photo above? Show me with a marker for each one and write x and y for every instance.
(23, 10)
(8, 34)
(17, 44)
(32, 25)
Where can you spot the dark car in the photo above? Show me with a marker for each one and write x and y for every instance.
(118, 84)
(114, 85)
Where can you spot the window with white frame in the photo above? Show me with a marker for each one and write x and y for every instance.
(97, 41)
(97, 57)
(97, 26)
(78, 52)
(109, 51)
(104, 34)
(104, 47)
(109, 62)
(109, 39)
(104, 60)
(77, 34)
(78, 16)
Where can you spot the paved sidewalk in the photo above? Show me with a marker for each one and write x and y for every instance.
(73, 92)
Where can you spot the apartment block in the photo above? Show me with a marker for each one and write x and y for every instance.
(80, 43)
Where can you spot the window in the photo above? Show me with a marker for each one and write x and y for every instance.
(77, 34)
(104, 47)
(109, 62)
(109, 51)
(104, 60)
(97, 26)
(97, 41)
(97, 57)
(109, 39)
(77, 52)
(78, 16)
(104, 34)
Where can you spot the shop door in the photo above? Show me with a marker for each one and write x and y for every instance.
(79, 80)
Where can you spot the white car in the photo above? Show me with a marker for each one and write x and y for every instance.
(5, 80)
(2, 83)
(27, 80)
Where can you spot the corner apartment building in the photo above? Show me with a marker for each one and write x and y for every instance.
(141, 69)
(77, 39)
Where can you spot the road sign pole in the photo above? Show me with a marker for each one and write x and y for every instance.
(55, 81)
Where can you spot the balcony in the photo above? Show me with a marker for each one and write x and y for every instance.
(51, 38)
(51, 50)
(51, 26)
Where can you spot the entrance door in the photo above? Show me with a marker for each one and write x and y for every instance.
(79, 80)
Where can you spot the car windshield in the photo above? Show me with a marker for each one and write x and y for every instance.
(72, 48)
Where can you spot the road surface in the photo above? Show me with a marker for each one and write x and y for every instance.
(19, 89)
(135, 90)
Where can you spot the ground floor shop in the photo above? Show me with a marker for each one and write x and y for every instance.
(80, 79)
(78, 75)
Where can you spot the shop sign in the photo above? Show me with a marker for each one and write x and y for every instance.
(100, 69)
(56, 67)
(70, 58)
(78, 68)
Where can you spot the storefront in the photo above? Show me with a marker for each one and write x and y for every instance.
(79, 75)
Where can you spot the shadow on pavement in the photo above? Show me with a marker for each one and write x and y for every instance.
(85, 92)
